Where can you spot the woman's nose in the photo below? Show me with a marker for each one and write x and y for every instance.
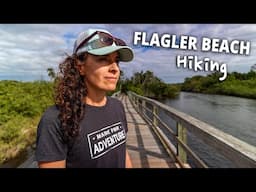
(114, 67)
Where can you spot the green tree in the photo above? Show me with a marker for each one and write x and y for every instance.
(51, 73)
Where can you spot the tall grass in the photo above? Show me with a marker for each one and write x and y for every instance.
(21, 106)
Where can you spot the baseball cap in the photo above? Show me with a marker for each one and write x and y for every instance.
(102, 42)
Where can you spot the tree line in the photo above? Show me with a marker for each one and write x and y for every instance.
(148, 85)
(236, 84)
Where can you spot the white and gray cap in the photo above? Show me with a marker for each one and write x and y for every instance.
(125, 52)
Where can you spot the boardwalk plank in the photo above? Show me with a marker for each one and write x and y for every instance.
(145, 149)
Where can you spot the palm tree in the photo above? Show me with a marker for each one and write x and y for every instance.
(51, 73)
(253, 67)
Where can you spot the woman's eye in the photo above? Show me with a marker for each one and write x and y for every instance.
(107, 59)
(102, 59)
(117, 60)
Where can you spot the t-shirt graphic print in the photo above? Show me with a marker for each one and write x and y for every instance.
(106, 139)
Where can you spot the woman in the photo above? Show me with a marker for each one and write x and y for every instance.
(86, 128)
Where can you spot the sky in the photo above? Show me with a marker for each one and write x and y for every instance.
(27, 50)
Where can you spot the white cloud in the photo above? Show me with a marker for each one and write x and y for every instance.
(29, 49)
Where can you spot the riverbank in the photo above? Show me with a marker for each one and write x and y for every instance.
(19, 159)
(237, 84)
(17, 136)
(29, 162)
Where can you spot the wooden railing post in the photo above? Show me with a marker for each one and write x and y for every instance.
(143, 103)
(134, 100)
(182, 136)
(155, 113)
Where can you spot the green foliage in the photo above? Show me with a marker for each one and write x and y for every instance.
(11, 129)
(27, 99)
(20, 104)
(135, 89)
(236, 84)
(147, 84)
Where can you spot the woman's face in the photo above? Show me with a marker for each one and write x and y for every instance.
(101, 72)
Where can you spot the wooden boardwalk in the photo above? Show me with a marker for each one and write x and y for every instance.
(145, 149)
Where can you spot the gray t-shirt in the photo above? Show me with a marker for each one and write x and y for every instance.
(101, 143)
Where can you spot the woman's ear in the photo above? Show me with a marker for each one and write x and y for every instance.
(80, 68)
(80, 64)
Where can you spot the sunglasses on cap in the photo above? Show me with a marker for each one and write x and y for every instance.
(104, 40)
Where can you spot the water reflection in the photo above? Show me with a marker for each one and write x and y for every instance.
(233, 115)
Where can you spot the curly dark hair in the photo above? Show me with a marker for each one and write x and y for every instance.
(70, 91)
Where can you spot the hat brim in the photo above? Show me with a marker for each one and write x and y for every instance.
(125, 52)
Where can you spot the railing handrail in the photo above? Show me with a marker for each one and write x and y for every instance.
(239, 152)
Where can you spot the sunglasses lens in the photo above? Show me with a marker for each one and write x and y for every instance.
(106, 39)
(120, 42)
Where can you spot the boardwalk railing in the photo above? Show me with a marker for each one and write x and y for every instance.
(240, 153)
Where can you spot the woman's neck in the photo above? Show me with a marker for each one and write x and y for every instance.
(96, 99)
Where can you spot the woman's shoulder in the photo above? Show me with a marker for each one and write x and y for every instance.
(51, 112)
(49, 122)
(52, 109)
(114, 101)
